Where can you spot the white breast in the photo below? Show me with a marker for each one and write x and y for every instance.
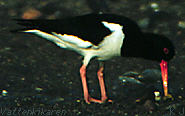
(111, 45)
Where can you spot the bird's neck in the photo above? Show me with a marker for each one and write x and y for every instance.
(137, 48)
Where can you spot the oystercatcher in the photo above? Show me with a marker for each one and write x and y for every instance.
(103, 36)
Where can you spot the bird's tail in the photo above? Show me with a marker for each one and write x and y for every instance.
(40, 28)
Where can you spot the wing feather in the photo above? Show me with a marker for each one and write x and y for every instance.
(86, 27)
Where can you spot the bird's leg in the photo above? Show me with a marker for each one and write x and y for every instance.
(87, 97)
(84, 83)
(102, 85)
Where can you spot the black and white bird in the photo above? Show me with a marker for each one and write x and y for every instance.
(103, 36)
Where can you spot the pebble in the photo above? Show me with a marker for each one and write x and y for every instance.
(181, 24)
(38, 89)
(130, 77)
(126, 79)
(31, 13)
(157, 95)
(4, 92)
(154, 6)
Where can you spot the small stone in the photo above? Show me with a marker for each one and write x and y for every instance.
(22, 78)
(70, 82)
(181, 24)
(154, 6)
(38, 89)
(4, 93)
(31, 14)
(61, 99)
(138, 100)
(157, 96)
(78, 100)
(180, 97)
(126, 79)
(131, 77)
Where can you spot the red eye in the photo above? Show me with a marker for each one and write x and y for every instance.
(166, 51)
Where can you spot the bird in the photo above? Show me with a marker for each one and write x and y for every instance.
(103, 37)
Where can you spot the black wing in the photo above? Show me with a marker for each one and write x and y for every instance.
(88, 27)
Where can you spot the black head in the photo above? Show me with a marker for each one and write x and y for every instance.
(148, 46)
(152, 47)
(159, 47)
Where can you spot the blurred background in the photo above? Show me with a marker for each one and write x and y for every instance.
(36, 74)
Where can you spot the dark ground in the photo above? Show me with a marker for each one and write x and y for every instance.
(42, 79)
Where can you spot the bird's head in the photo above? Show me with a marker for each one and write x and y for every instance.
(161, 50)
(158, 47)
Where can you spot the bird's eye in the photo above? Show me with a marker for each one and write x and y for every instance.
(166, 51)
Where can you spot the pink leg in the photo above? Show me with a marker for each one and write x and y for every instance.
(84, 83)
(87, 97)
(102, 85)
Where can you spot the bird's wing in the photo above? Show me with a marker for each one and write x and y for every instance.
(88, 27)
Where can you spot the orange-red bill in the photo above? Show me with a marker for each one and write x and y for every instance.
(164, 73)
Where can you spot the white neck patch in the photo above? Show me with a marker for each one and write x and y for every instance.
(112, 26)
(111, 45)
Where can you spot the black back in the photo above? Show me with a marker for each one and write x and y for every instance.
(88, 27)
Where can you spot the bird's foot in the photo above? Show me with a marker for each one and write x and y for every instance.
(103, 100)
